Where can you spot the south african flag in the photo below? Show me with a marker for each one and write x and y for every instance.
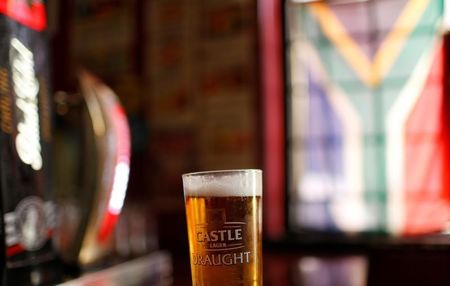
(369, 143)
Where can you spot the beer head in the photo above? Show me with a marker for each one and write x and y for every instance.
(227, 183)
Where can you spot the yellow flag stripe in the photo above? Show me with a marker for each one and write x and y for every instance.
(392, 45)
(334, 30)
(371, 73)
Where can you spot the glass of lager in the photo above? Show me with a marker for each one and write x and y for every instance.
(224, 220)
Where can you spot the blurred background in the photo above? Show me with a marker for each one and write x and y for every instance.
(187, 76)
(342, 104)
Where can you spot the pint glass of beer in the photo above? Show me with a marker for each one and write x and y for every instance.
(224, 219)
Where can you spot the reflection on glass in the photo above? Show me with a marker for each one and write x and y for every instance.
(348, 271)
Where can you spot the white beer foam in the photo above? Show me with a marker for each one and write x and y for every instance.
(233, 183)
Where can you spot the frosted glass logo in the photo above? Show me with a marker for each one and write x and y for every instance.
(228, 237)
(26, 88)
(221, 242)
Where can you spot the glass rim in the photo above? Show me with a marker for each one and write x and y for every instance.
(221, 172)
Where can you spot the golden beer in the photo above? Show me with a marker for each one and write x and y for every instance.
(224, 228)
